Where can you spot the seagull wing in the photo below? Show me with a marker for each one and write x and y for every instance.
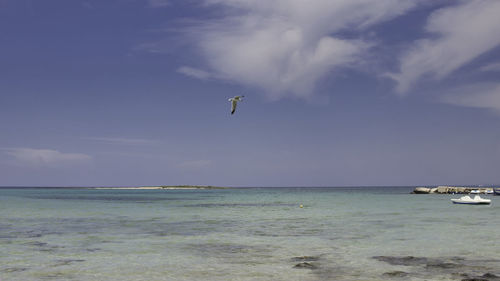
(233, 106)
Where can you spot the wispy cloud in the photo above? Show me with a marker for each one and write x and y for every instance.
(491, 67)
(150, 47)
(482, 95)
(158, 3)
(458, 35)
(87, 5)
(123, 141)
(44, 157)
(195, 164)
(286, 46)
(194, 72)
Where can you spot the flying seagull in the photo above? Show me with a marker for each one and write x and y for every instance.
(235, 101)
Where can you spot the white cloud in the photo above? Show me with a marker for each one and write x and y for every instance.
(459, 34)
(195, 164)
(491, 67)
(150, 47)
(44, 157)
(87, 5)
(125, 141)
(483, 95)
(286, 46)
(194, 72)
(158, 3)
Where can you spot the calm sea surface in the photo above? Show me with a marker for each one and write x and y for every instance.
(368, 233)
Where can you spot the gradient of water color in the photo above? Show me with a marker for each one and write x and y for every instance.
(244, 234)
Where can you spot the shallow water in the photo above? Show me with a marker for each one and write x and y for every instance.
(375, 233)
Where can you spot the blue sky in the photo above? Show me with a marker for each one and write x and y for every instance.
(337, 93)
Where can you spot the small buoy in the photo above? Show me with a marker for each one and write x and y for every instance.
(301, 206)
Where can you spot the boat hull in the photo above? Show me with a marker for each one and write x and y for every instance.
(471, 203)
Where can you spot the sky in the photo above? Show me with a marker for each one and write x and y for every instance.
(337, 92)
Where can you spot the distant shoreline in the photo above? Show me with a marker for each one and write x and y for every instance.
(161, 187)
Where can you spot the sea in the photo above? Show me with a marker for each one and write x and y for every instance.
(293, 233)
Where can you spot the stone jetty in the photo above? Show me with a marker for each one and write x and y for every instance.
(444, 189)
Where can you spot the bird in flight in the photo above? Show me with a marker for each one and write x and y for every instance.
(234, 101)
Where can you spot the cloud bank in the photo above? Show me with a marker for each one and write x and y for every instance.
(285, 46)
(460, 34)
(481, 95)
(123, 141)
(44, 157)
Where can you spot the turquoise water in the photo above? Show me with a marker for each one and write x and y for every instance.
(245, 234)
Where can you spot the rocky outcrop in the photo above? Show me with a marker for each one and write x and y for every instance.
(457, 268)
(406, 261)
(395, 274)
(422, 190)
(307, 265)
(444, 189)
(484, 277)
(307, 262)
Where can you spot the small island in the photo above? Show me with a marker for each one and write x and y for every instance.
(168, 187)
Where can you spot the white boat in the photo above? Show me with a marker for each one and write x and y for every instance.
(467, 200)
(475, 191)
(489, 191)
